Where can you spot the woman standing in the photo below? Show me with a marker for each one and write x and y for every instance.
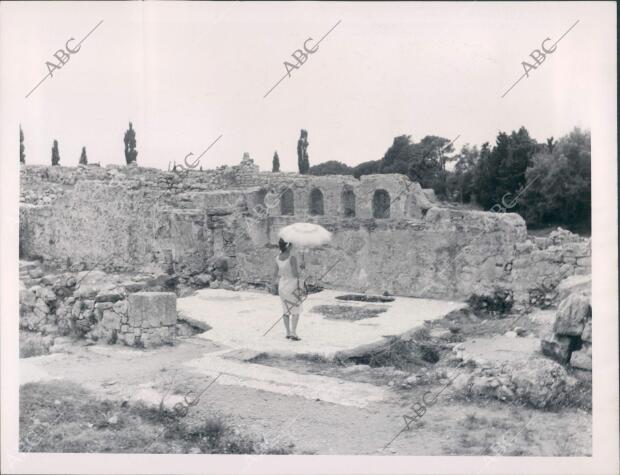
(289, 290)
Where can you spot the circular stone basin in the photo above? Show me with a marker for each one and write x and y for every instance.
(365, 298)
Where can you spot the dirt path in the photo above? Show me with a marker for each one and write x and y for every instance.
(315, 426)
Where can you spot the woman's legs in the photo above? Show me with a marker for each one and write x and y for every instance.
(295, 321)
(286, 324)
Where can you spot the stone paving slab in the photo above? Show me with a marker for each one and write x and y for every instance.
(239, 320)
(314, 387)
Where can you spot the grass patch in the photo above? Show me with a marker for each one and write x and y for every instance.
(405, 355)
(497, 437)
(64, 417)
(495, 304)
(348, 312)
(314, 358)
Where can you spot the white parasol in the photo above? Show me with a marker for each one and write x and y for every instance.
(305, 235)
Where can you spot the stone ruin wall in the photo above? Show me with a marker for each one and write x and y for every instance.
(126, 219)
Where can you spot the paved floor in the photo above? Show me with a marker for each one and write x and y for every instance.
(239, 320)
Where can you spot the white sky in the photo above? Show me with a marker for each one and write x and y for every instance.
(184, 73)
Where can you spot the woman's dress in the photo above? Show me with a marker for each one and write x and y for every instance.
(288, 288)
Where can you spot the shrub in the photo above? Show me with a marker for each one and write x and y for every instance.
(496, 303)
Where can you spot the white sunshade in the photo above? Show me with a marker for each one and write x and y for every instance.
(305, 234)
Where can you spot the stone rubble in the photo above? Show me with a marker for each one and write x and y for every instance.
(536, 381)
(96, 306)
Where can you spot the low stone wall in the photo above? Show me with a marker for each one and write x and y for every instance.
(97, 306)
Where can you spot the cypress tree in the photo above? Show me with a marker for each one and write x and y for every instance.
(22, 147)
(83, 159)
(131, 154)
(302, 153)
(55, 154)
(275, 164)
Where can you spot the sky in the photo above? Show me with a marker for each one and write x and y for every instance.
(187, 73)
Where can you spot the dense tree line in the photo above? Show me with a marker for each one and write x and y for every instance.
(560, 183)
(547, 183)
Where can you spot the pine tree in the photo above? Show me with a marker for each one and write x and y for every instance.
(83, 159)
(55, 154)
(275, 164)
(131, 154)
(302, 153)
(22, 148)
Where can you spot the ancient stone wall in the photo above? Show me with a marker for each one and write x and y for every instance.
(447, 254)
(388, 234)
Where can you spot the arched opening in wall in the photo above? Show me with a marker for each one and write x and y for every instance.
(260, 197)
(287, 202)
(348, 203)
(316, 202)
(381, 204)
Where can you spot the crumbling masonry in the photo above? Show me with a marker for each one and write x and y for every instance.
(390, 235)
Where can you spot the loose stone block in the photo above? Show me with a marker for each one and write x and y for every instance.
(582, 359)
(557, 347)
(48, 295)
(586, 335)
(584, 261)
(574, 284)
(40, 315)
(572, 314)
(152, 309)
(109, 295)
(41, 306)
(111, 320)
(27, 297)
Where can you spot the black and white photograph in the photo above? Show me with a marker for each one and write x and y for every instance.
(244, 236)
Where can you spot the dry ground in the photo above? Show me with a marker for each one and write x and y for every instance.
(130, 384)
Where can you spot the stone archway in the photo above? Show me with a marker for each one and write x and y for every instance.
(381, 204)
(348, 203)
(260, 197)
(316, 202)
(287, 202)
